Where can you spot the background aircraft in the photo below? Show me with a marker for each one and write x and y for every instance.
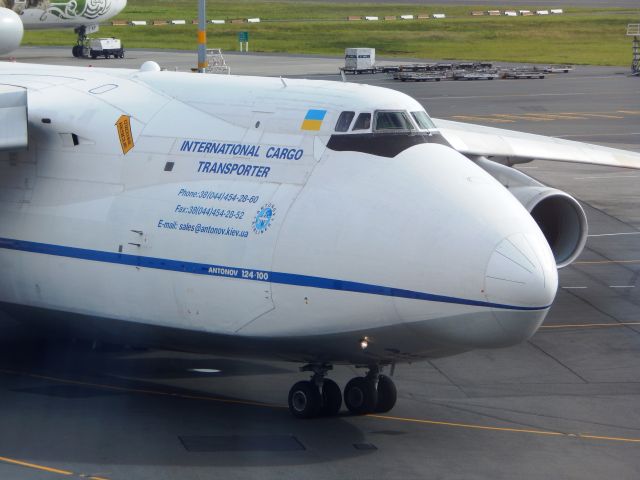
(316, 222)
(83, 16)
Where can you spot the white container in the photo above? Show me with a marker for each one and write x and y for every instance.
(178, 22)
(253, 20)
(371, 19)
(99, 44)
(439, 15)
(359, 58)
(406, 17)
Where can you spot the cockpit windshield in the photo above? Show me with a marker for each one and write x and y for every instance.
(423, 120)
(392, 121)
(385, 121)
(363, 122)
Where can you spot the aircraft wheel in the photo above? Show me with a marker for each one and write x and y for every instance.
(387, 394)
(75, 51)
(360, 396)
(331, 398)
(305, 400)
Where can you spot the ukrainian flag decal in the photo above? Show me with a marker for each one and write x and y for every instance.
(313, 120)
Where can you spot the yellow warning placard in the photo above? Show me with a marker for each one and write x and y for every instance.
(123, 126)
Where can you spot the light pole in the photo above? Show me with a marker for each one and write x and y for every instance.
(202, 36)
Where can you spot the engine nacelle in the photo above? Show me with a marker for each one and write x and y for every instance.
(11, 30)
(559, 216)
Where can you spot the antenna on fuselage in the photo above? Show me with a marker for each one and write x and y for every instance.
(284, 84)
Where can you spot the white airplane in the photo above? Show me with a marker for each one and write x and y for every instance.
(310, 221)
(83, 16)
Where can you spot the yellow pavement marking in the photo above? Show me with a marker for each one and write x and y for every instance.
(480, 119)
(603, 262)
(506, 429)
(467, 425)
(545, 117)
(559, 116)
(143, 391)
(592, 325)
(598, 115)
(244, 402)
(522, 117)
(33, 465)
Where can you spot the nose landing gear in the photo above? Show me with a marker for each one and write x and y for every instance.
(321, 396)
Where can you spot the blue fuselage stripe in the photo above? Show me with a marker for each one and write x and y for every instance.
(243, 273)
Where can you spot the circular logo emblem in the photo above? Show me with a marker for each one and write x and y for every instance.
(263, 218)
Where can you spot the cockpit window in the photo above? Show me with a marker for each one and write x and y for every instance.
(392, 121)
(344, 121)
(363, 122)
(423, 120)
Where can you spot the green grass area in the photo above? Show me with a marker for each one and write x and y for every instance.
(580, 36)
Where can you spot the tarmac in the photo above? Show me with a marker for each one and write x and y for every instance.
(562, 405)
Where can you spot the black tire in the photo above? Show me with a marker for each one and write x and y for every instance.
(360, 396)
(94, 56)
(75, 52)
(304, 400)
(331, 398)
(387, 394)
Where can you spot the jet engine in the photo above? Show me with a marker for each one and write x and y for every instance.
(559, 215)
(11, 30)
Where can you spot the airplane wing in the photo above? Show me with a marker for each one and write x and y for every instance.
(511, 147)
(13, 118)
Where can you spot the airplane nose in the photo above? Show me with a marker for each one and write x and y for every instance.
(521, 271)
(521, 278)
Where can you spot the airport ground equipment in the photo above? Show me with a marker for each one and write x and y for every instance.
(475, 75)
(216, 62)
(554, 68)
(419, 76)
(633, 30)
(359, 60)
(520, 73)
(106, 47)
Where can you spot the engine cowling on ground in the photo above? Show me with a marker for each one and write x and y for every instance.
(11, 31)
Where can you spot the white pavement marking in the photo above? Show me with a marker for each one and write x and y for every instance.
(572, 288)
(589, 135)
(526, 95)
(612, 234)
(605, 177)
(622, 286)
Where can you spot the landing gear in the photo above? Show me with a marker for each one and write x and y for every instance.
(361, 395)
(331, 398)
(318, 396)
(387, 394)
(305, 400)
(78, 49)
(321, 396)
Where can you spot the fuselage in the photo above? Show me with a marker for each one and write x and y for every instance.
(43, 14)
(243, 210)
